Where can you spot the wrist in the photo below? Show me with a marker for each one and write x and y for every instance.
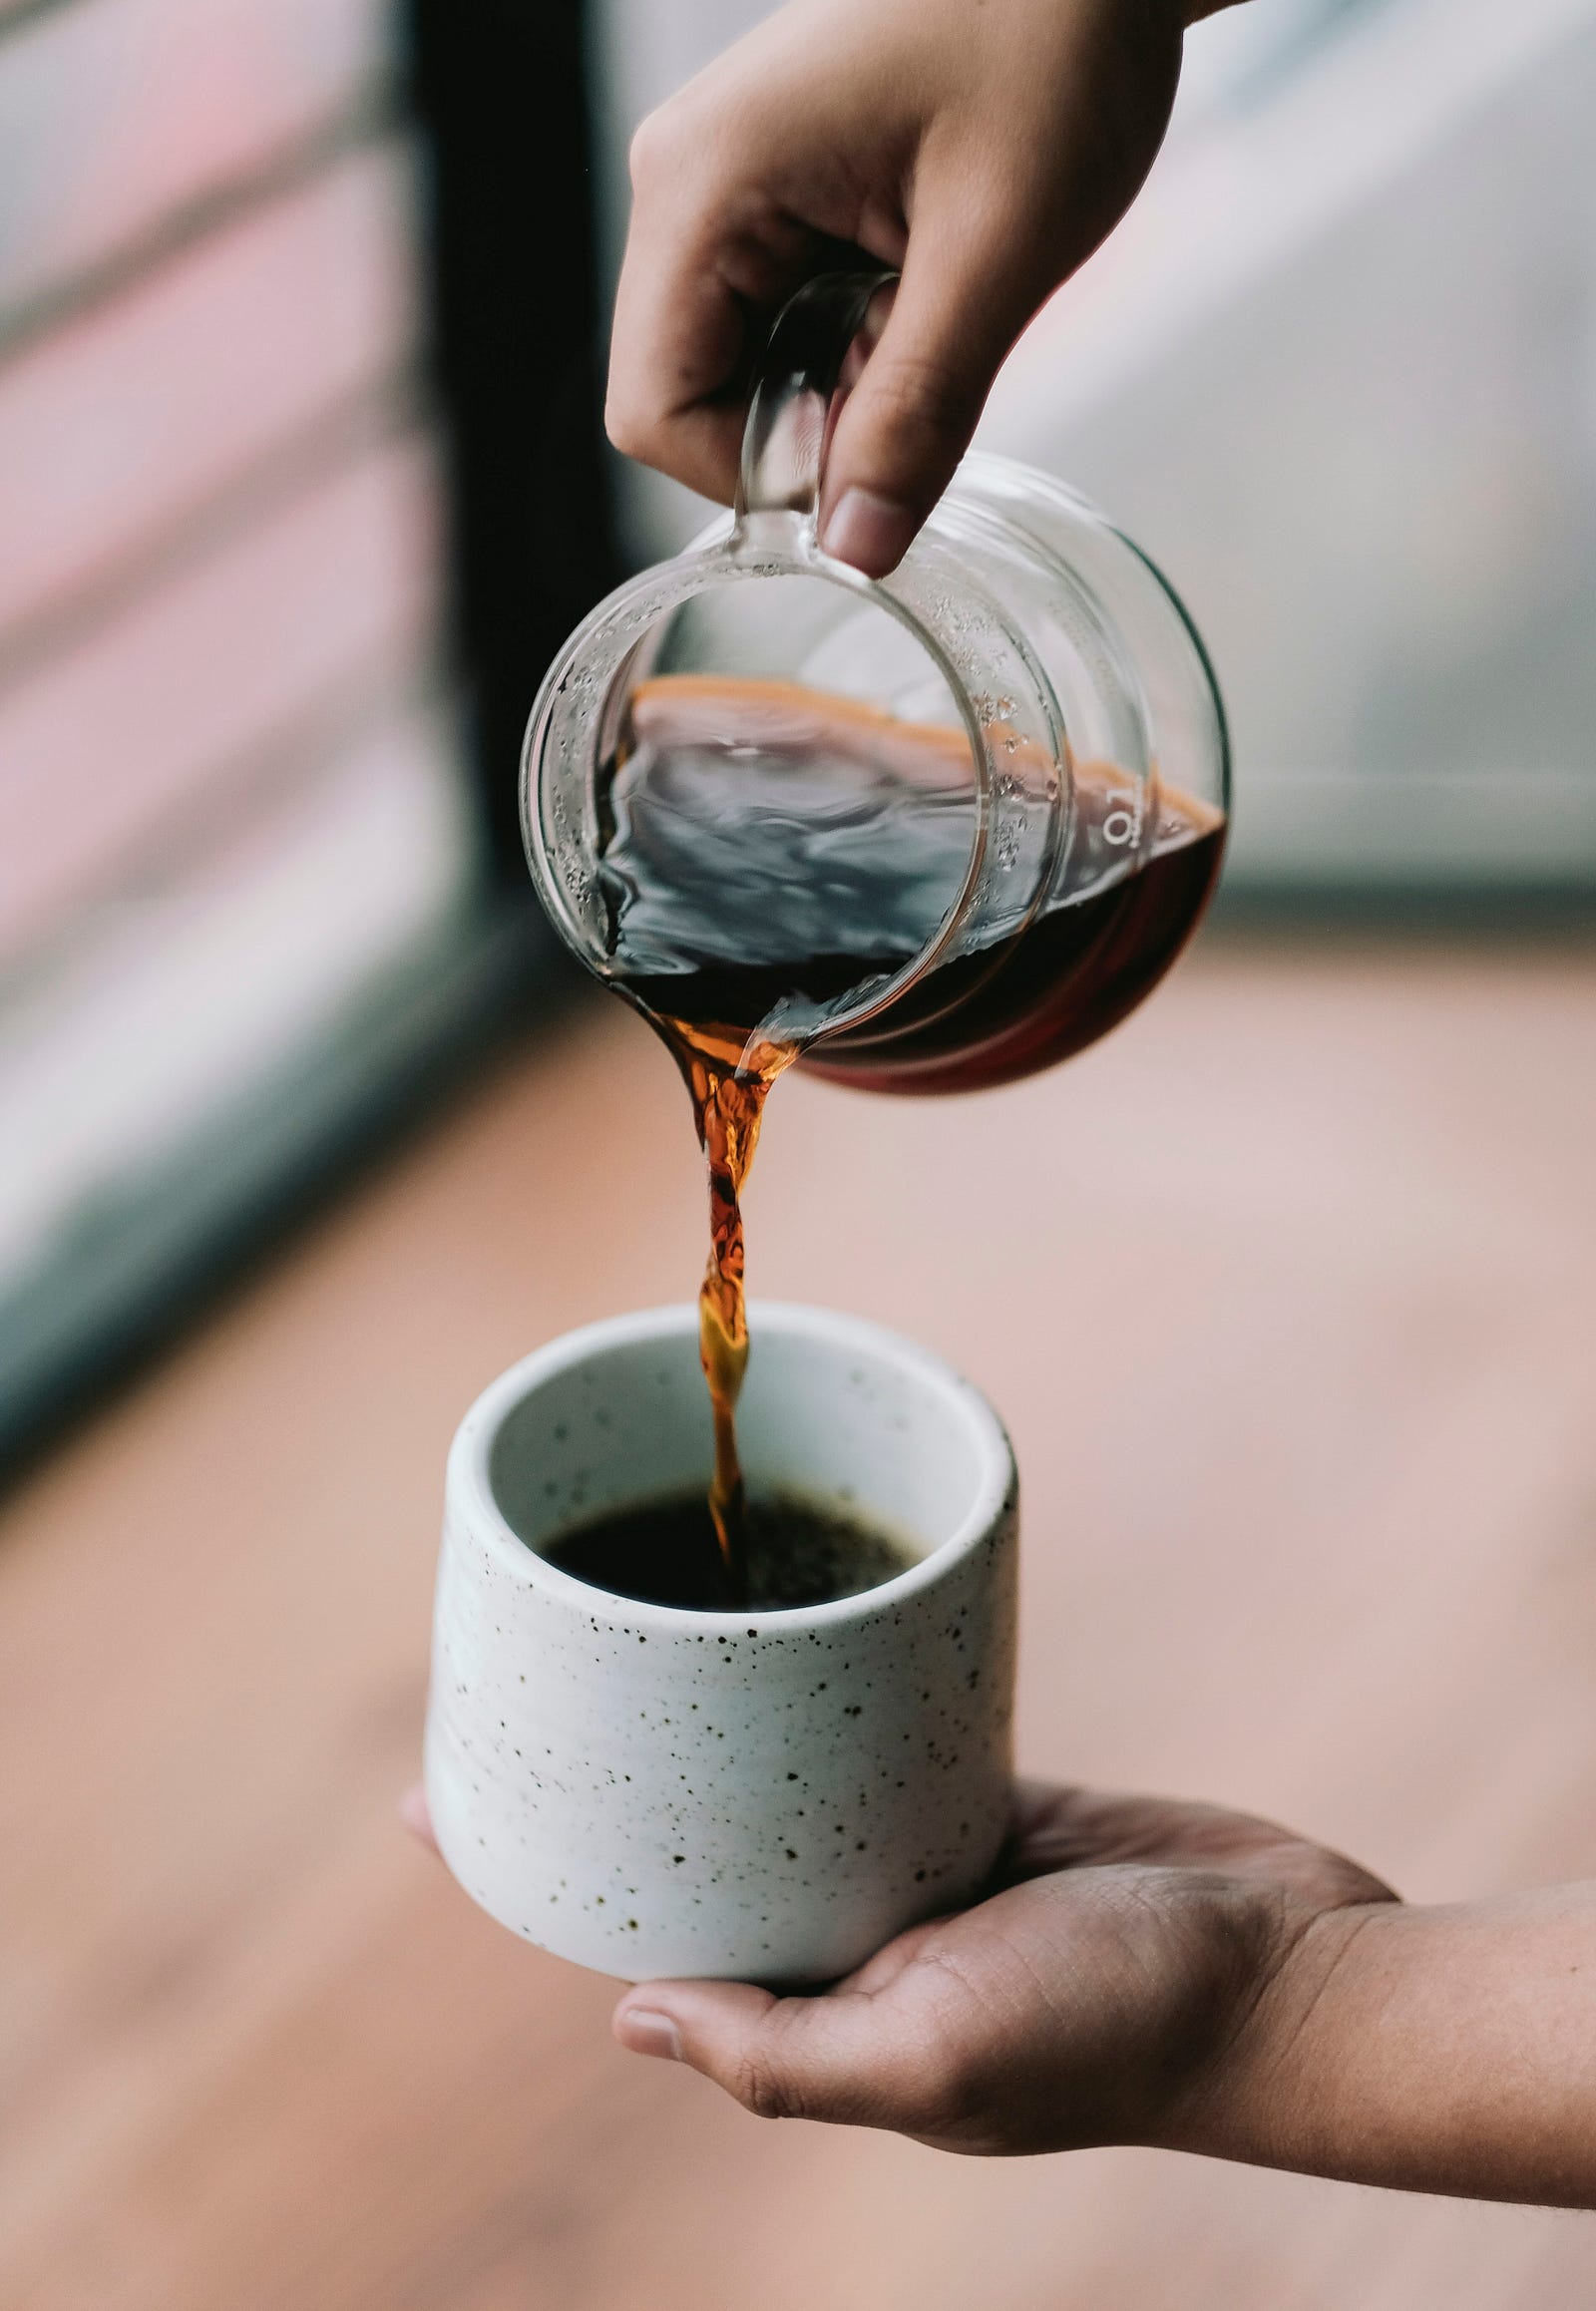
(1272, 2094)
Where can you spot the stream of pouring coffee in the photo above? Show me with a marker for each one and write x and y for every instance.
(730, 894)
(728, 1082)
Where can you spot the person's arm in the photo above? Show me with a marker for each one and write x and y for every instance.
(983, 146)
(1445, 2050)
(1179, 1976)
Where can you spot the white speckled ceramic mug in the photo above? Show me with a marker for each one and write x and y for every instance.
(768, 1796)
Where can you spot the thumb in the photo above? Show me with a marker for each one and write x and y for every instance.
(959, 308)
(836, 2057)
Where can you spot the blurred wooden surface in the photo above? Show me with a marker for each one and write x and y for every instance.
(1289, 1295)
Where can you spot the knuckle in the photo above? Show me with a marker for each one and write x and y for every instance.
(761, 2087)
(954, 2097)
(948, 2077)
(919, 395)
(654, 147)
(675, 143)
(629, 427)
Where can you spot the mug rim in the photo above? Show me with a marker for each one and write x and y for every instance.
(469, 1493)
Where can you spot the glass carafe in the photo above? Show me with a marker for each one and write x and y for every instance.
(932, 832)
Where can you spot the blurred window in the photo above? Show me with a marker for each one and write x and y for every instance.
(1335, 372)
(238, 857)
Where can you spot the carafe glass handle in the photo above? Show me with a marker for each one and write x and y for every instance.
(784, 440)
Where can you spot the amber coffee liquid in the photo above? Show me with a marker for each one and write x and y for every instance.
(727, 1077)
(731, 901)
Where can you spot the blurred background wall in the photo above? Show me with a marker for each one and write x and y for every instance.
(257, 596)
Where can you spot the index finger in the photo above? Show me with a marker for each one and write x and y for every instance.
(704, 273)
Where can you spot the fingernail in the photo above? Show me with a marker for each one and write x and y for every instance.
(871, 533)
(414, 1814)
(649, 2032)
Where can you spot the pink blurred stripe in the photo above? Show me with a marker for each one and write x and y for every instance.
(107, 743)
(112, 114)
(116, 424)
